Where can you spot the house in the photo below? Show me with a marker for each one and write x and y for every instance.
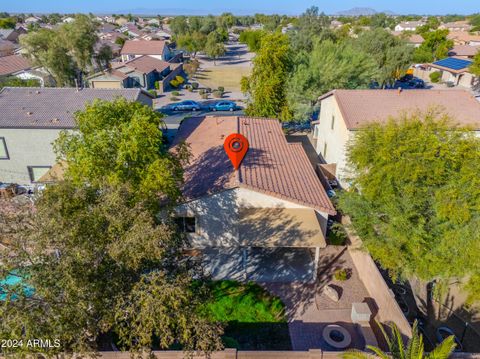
(413, 39)
(131, 29)
(18, 66)
(121, 21)
(454, 71)
(32, 20)
(158, 49)
(6, 48)
(409, 25)
(456, 26)
(11, 34)
(68, 20)
(344, 112)
(141, 72)
(464, 51)
(464, 38)
(272, 210)
(32, 118)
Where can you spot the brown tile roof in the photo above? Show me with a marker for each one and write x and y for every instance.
(51, 107)
(147, 64)
(358, 107)
(12, 64)
(143, 47)
(463, 36)
(271, 166)
(464, 50)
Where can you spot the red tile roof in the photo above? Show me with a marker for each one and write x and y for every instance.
(464, 50)
(147, 64)
(12, 64)
(143, 47)
(271, 166)
(358, 107)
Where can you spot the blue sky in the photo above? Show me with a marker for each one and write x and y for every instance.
(239, 6)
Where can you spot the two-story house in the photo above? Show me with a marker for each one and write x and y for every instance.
(135, 48)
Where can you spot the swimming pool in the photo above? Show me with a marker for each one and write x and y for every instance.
(11, 280)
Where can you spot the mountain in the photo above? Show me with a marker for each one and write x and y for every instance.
(358, 11)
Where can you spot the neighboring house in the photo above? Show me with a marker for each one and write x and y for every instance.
(413, 39)
(409, 25)
(464, 38)
(163, 34)
(121, 21)
(11, 34)
(32, 118)
(455, 71)
(111, 44)
(32, 20)
(343, 112)
(18, 66)
(464, 51)
(273, 211)
(456, 26)
(6, 48)
(68, 20)
(131, 29)
(141, 72)
(158, 49)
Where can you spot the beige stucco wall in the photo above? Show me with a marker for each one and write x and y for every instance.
(217, 216)
(336, 138)
(26, 147)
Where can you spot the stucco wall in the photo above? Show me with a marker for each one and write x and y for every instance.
(26, 147)
(336, 138)
(217, 215)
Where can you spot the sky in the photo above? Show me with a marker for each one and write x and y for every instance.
(198, 7)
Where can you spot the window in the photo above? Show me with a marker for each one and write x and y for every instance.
(333, 122)
(186, 224)
(36, 172)
(3, 149)
(325, 150)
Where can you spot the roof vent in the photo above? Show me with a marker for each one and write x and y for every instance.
(54, 120)
(37, 92)
(29, 113)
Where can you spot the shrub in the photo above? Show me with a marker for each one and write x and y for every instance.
(204, 96)
(174, 83)
(435, 76)
(217, 94)
(221, 88)
(173, 98)
(175, 93)
(208, 90)
(195, 85)
(153, 93)
(229, 342)
(341, 275)
(157, 85)
(337, 235)
(190, 89)
(202, 92)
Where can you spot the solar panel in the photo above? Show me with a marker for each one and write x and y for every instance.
(453, 63)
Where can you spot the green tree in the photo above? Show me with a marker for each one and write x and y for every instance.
(414, 349)
(267, 85)
(104, 56)
(392, 54)
(435, 46)
(214, 47)
(192, 42)
(252, 38)
(8, 23)
(414, 197)
(329, 66)
(311, 26)
(179, 25)
(12, 81)
(475, 66)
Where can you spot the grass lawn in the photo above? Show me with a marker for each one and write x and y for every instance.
(227, 76)
(254, 318)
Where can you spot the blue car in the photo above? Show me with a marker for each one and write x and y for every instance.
(186, 106)
(224, 106)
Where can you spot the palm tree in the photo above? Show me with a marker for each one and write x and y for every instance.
(397, 349)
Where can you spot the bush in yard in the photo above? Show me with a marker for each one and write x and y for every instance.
(195, 85)
(202, 92)
(153, 93)
(341, 275)
(217, 94)
(173, 98)
(157, 85)
(204, 96)
(180, 79)
(221, 88)
(174, 83)
(175, 93)
(208, 90)
(190, 89)
(435, 76)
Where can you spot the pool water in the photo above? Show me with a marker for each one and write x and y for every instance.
(11, 280)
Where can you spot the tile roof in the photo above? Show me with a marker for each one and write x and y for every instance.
(4, 33)
(50, 107)
(147, 64)
(271, 166)
(12, 64)
(359, 107)
(143, 47)
(463, 36)
(464, 50)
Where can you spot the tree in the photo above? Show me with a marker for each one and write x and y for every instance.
(192, 42)
(8, 23)
(398, 350)
(214, 47)
(119, 142)
(103, 260)
(414, 197)
(12, 81)
(252, 38)
(329, 66)
(104, 56)
(475, 66)
(179, 25)
(267, 85)
(392, 54)
(435, 46)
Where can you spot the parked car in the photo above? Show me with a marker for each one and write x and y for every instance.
(223, 106)
(187, 105)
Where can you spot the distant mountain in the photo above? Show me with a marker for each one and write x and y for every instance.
(363, 11)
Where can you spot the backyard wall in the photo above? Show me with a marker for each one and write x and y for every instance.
(388, 309)
(177, 69)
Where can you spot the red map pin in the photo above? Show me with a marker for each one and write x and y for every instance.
(236, 146)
